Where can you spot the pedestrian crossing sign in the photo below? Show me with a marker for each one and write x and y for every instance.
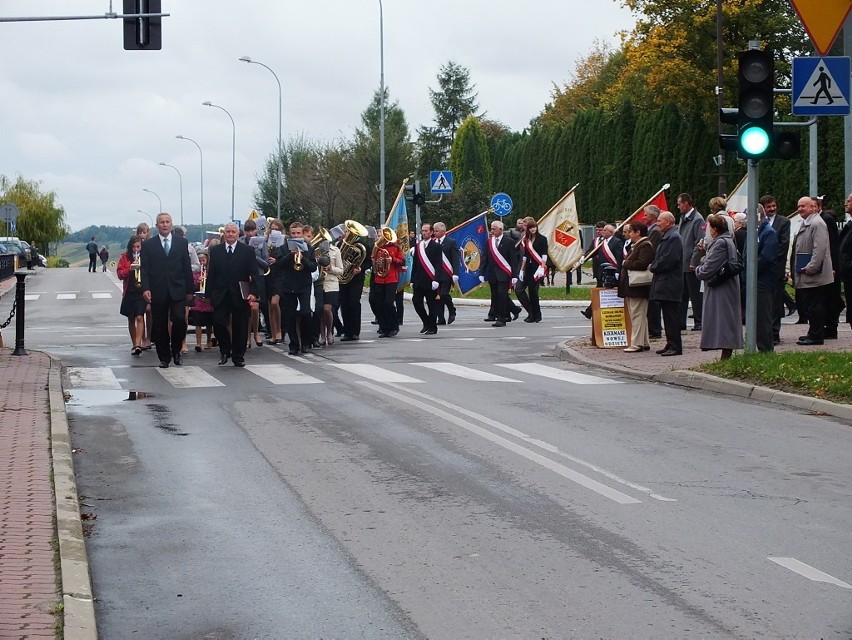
(821, 86)
(441, 181)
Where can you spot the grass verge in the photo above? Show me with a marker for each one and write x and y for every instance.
(819, 374)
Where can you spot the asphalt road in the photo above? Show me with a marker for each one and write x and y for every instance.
(467, 485)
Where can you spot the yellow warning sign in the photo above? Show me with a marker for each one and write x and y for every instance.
(823, 20)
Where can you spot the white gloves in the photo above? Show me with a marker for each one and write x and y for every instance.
(539, 273)
(455, 279)
(482, 278)
(521, 276)
(434, 285)
(514, 281)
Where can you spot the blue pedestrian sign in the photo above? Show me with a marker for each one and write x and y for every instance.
(501, 203)
(821, 86)
(441, 181)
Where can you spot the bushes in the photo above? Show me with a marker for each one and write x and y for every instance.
(53, 262)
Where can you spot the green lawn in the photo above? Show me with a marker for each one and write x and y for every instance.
(545, 293)
(819, 374)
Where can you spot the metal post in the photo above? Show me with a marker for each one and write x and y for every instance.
(180, 185)
(751, 258)
(417, 209)
(233, 150)
(382, 116)
(19, 315)
(720, 61)
(201, 157)
(813, 158)
(847, 120)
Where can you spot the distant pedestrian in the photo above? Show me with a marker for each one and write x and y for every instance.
(667, 287)
(92, 249)
(104, 256)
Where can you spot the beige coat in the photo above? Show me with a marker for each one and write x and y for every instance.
(812, 239)
(331, 281)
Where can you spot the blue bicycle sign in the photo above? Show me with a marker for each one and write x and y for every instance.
(501, 203)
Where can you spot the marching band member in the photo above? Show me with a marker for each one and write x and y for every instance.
(275, 242)
(318, 306)
(296, 285)
(448, 275)
(501, 266)
(330, 294)
(424, 282)
(201, 313)
(388, 261)
(532, 271)
(132, 305)
(143, 231)
(261, 254)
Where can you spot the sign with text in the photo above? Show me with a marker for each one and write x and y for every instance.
(610, 321)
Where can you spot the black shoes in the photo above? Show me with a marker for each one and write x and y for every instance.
(349, 338)
(177, 358)
(424, 330)
(499, 323)
(530, 319)
(671, 352)
(587, 313)
(441, 321)
(660, 352)
(451, 319)
(293, 352)
(515, 314)
(223, 359)
(805, 341)
(239, 363)
(164, 364)
(430, 332)
(490, 319)
(696, 328)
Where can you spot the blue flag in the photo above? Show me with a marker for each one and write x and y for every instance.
(471, 237)
(398, 221)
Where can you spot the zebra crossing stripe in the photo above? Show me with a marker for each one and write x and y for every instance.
(467, 373)
(66, 296)
(374, 373)
(189, 378)
(280, 374)
(30, 297)
(92, 378)
(573, 377)
(101, 295)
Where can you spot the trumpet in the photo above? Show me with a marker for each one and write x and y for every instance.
(297, 261)
(202, 282)
(136, 266)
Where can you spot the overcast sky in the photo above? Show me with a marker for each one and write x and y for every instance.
(92, 121)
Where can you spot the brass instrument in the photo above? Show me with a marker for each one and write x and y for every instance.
(381, 256)
(136, 266)
(297, 261)
(351, 252)
(202, 282)
(322, 235)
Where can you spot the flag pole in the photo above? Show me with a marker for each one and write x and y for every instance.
(482, 213)
(558, 202)
(396, 201)
(739, 184)
(628, 219)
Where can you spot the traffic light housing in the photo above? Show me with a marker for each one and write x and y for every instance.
(143, 33)
(755, 104)
(411, 193)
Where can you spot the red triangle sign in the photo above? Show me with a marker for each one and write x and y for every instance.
(823, 20)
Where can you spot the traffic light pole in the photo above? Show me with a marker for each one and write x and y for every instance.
(751, 258)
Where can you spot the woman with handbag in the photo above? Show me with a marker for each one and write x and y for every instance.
(719, 269)
(634, 285)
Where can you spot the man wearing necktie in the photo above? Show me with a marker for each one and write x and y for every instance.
(167, 286)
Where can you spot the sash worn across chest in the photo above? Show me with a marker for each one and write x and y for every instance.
(499, 260)
(423, 259)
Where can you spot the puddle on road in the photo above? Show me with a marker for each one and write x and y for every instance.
(98, 397)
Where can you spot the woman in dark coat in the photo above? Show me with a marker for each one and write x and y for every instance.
(722, 326)
(636, 297)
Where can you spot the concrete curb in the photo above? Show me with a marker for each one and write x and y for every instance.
(78, 603)
(475, 302)
(714, 384)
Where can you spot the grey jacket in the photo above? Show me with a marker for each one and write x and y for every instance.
(812, 239)
(690, 232)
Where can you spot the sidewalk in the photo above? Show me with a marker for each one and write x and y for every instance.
(44, 574)
(676, 369)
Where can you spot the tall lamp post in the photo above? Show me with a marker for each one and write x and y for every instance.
(279, 171)
(180, 183)
(201, 173)
(233, 150)
(382, 114)
(159, 201)
(147, 214)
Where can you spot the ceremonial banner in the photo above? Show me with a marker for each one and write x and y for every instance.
(738, 198)
(398, 221)
(561, 227)
(471, 237)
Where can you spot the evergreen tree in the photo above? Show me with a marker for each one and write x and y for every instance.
(470, 158)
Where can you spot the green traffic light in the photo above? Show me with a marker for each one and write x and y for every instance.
(754, 140)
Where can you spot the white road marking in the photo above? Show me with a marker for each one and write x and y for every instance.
(66, 296)
(279, 374)
(189, 378)
(100, 296)
(372, 372)
(557, 374)
(463, 372)
(549, 448)
(92, 378)
(547, 463)
(809, 572)
(29, 297)
(572, 326)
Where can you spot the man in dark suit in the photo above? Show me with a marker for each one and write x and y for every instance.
(296, 286)
(231, 263)
(167, 286)
(781, 225)
(424, 280)
(448, 274)
(501, 270)
(691, 231)
(667, 287)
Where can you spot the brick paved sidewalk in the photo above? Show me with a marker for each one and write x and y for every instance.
(29, 584)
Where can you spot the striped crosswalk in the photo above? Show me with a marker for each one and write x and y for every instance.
(197, 377)
(32, 296)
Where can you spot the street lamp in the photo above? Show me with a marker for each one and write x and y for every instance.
(159, 201)
(180, 183)
(280, 170)
(147, 214)
(201, 172)
(382, 114)
(233, 150)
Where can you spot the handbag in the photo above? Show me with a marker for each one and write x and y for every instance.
(639, 278)
(733, 267)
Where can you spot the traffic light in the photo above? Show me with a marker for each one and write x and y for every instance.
(411, 193)
(755, 110)
(143, 33)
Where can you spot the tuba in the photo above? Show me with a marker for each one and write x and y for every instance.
(381, 256)
(351, 252)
